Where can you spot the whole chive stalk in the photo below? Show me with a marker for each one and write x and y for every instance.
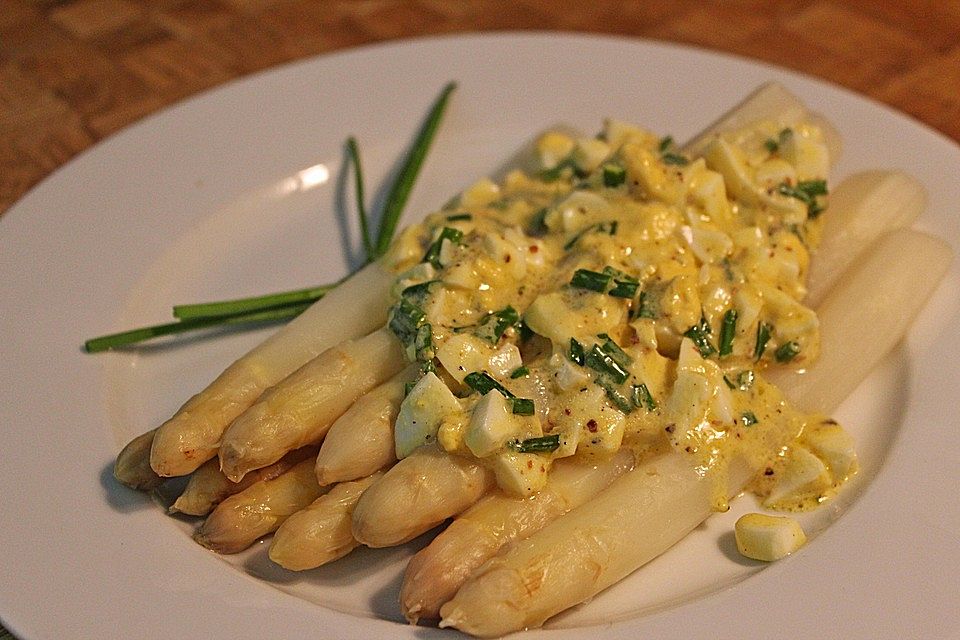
(249, 305)
(133, 336)
(353, 152)
(286, 305)
(400, 191)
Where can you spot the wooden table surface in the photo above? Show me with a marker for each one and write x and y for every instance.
(75, 71)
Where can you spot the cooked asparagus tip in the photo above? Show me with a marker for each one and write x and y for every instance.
(132, 467)
(299, 410)
(416, 494)
(258, 510)
(321, 532)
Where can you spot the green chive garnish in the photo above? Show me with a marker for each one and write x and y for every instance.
(604, 363)
(674, 159)
(806, 191)
(484, 383)
(249, 305)
(700, 333)
(728, 329)
(400, 191)
(787, 351)
(610, 228)
(614, 175)
(763, 336)
(543, 444)
(433, 251)
(523, 407)
(458, 217)
(643, 398)
(519, 372)
(590, 280)
(576, 352)
(492, 327)
(614, 393)
(353, 152)
(748, 418)
(133, 336)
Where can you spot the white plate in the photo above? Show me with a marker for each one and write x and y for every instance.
(210, 199)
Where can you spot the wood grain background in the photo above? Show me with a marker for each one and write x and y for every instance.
(74, 71)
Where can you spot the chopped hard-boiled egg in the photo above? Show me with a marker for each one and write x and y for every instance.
(492, 425)
(768, 538)
(421, 413)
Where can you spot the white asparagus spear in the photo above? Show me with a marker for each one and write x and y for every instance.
(132, 467)
(651, 508)
(244, 517)
(416, 494)
(870, 307)
(361, 440)
(861, 209)
(208, 487)
(299, 409)
(192, 435)
(771, 101)
(321, 532)
(435, 573)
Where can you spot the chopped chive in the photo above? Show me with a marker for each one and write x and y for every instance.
(485, 383)
(773, 146)
(643, 398)
(748, 418)
(556, 172)
(665, 143)
(590, 280)
(249, 305)
(624, 285)
(417, 292)
(609, 227)
(133, 336)
(538, 224)
(604, 363)
(353, 152)
(400, 191)
(745, 379)
(433, 251)
(523, 407)
(543, 444)
(494, 325)
(787, 351)
(614, 175)
(406, 318)
(525, 331)
(646, 308)
(700, 333)
(459, 217)
(806, 191)
(763, 337)
(674, 159)
(614, 393)
(615, 352)
(728, 329)
(408, 387)
(519, 372)
(576, 352)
